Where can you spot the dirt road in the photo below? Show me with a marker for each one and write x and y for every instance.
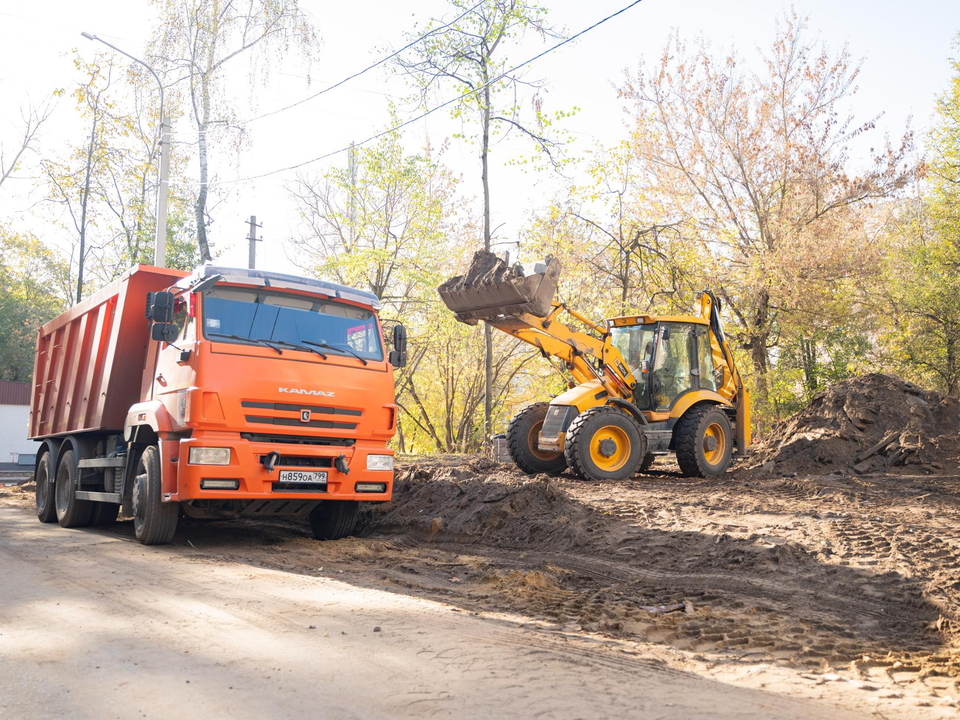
(92, 625)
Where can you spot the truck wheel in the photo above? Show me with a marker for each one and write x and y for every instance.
(522, 435)
(648, 460)
(154, 521)
(71, 512)
(105, 513)
(703, 441)
(334, 519)
(604, 443)
(46, 502)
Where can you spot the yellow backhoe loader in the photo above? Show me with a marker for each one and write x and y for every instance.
(643, 385)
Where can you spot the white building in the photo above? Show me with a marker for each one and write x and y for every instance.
(14, 419)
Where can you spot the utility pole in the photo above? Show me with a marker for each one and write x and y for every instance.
(160, 248)
(253, 239)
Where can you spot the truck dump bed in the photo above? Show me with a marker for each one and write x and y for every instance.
(89, 361)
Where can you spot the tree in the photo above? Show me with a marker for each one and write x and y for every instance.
(34, 288)
(757, 164)
(198, 41)
(470, 55)
(33, 118)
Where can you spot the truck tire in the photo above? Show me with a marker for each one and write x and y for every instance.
(105, 513)
(71, 512)
(154, 521)
(703, 441)
(334, 519)
(46, 499)
(522, 435)
(604, 443)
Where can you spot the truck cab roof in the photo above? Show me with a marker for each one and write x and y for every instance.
(263, 278)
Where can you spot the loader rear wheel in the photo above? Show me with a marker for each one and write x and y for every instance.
(71, 512)
(46, 502)
(154, 521)
(604, 443)
(703, 440)
(334, 519)
(523, 434)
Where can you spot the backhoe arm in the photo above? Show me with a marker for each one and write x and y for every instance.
(578, 350)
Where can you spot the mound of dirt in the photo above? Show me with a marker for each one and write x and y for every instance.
(480, 504)
(867, 424)
(485, 268)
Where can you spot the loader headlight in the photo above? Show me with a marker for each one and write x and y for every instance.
(379, 462)
(209, 456)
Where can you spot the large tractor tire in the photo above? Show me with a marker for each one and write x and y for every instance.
(46, 498)
(703, 441)
(604, 443)
(522, 436)
(154, 521)
(334, 519)
(71, 512)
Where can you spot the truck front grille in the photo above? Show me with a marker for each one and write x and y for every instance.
(557, 421)
(298, 440)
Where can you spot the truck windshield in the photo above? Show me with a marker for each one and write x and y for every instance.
(237, 315)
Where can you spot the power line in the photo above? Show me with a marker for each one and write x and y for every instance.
(465, 95)
(366, 69)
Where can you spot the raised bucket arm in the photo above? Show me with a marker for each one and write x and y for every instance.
(518, 300)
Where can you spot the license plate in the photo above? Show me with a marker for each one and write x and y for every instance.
(303, 477)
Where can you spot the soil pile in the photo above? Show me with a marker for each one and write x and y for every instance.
(483, 502)
(873, 423)
(485, 269)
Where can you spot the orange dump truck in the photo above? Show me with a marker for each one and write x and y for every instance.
(223, 393)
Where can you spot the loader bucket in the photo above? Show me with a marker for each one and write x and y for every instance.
(491, 288)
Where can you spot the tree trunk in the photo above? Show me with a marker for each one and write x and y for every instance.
(83, 207)
(487, 331)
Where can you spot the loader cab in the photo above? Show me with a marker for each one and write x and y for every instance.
(668, 357)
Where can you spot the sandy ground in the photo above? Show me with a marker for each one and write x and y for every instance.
(501, 595)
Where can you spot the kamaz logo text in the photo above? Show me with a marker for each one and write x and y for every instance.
(300, 391)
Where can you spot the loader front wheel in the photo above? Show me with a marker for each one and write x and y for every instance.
(604, 443)
(703, 440)
(523, 434)
(154, 521)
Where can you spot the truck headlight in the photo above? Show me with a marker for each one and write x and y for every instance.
(209, 456)
(379, 462)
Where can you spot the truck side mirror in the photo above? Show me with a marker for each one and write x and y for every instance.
(167, 332)
(398, 356)
(160, 306)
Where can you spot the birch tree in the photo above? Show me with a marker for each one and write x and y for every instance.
(199, 43)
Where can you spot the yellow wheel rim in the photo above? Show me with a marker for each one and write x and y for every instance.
(533, 439)
(610, 448)
(714, 443)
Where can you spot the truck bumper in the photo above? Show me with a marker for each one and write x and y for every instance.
(255, 482)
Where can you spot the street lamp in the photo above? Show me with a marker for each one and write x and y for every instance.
(160, 251)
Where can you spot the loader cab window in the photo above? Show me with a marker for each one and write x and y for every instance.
(673, 368)
(708, 380)
(243, 316)
(636, 343)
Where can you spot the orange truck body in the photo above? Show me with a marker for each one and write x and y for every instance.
(102, 386)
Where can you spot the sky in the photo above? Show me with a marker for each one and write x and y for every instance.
(904, 47)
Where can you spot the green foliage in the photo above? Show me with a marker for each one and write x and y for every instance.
(34, 288)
